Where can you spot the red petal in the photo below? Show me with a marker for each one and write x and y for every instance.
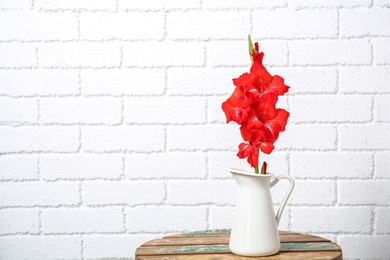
(277, 86)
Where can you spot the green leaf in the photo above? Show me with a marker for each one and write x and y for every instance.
(251, 49)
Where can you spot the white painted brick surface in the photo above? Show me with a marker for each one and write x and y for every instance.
(21, 221)
(377, 192)
(382, 108)
(39, 194)
(32, 25)
(323, 23)
(87, 166)
(330, 52)
(81, 110)
(364, 79)
(19, 167)
(159, 110)
(37, 247)
(18, 55)
(122, 82)
(195, 192)
(172, 165)
(155, 54)
(71, 54)
(381, 53)
(112, 133)
(46, 139)
(205, 25)
(18, 111)
(382, 162)
(365, 247)
(330, 219)
(82, 220)
(101, 25)
(165, 219)
(317, 165)
(108, 139)
(365, 22)
(129, 192)
(113, 246)
(330, 109)
(372, 136)
(18, 83)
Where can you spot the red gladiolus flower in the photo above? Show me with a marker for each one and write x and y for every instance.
(253, 106)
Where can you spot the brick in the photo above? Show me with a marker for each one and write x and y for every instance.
(329, 219)
(80, 166)
(82, 220)
(384, 3)
(72, 5)
(215, 113)
(381, 51)
(18, 111)
(81, 110)
(207, 25)
(219, 4)
(203, 137)
(317, 79)
(201, 81)
(122, 81)
(18, 55)
(222, 218)
(169, 165)
(32, 25)
(321, 192)
(218, 161)
(166, 219)
(364, 22)
(124, 192)
(161, 110)
(47, 139)
(225, 53)
(382, 163)
(332, 109)
(112, 246)
(323, 23)
(330, 52)
(18, 167)
(313, 137)
(39, 194)
(36, 247)
(331, 165)
(160, 54)
(158, 4)
(79, 54)
(16, 221)
(378, 192)
(21, 4)
(129, 138)
(215, 192)
(99, 25)
(364, 79)
(382, 108)
(330, 3)
(382, 223)
(364, 247)
(364, 136)
(39, 82)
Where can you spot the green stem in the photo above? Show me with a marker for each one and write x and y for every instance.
(257, 167)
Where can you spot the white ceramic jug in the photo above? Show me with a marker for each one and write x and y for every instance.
(255, 227)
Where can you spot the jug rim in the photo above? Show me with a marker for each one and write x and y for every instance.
(249, 173)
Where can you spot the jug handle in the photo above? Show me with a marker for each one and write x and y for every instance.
(284, 201)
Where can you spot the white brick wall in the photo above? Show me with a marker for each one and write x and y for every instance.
(111, 129)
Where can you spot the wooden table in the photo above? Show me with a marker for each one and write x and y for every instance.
(213, 244)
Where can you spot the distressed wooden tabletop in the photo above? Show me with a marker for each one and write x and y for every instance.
(214, 244)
